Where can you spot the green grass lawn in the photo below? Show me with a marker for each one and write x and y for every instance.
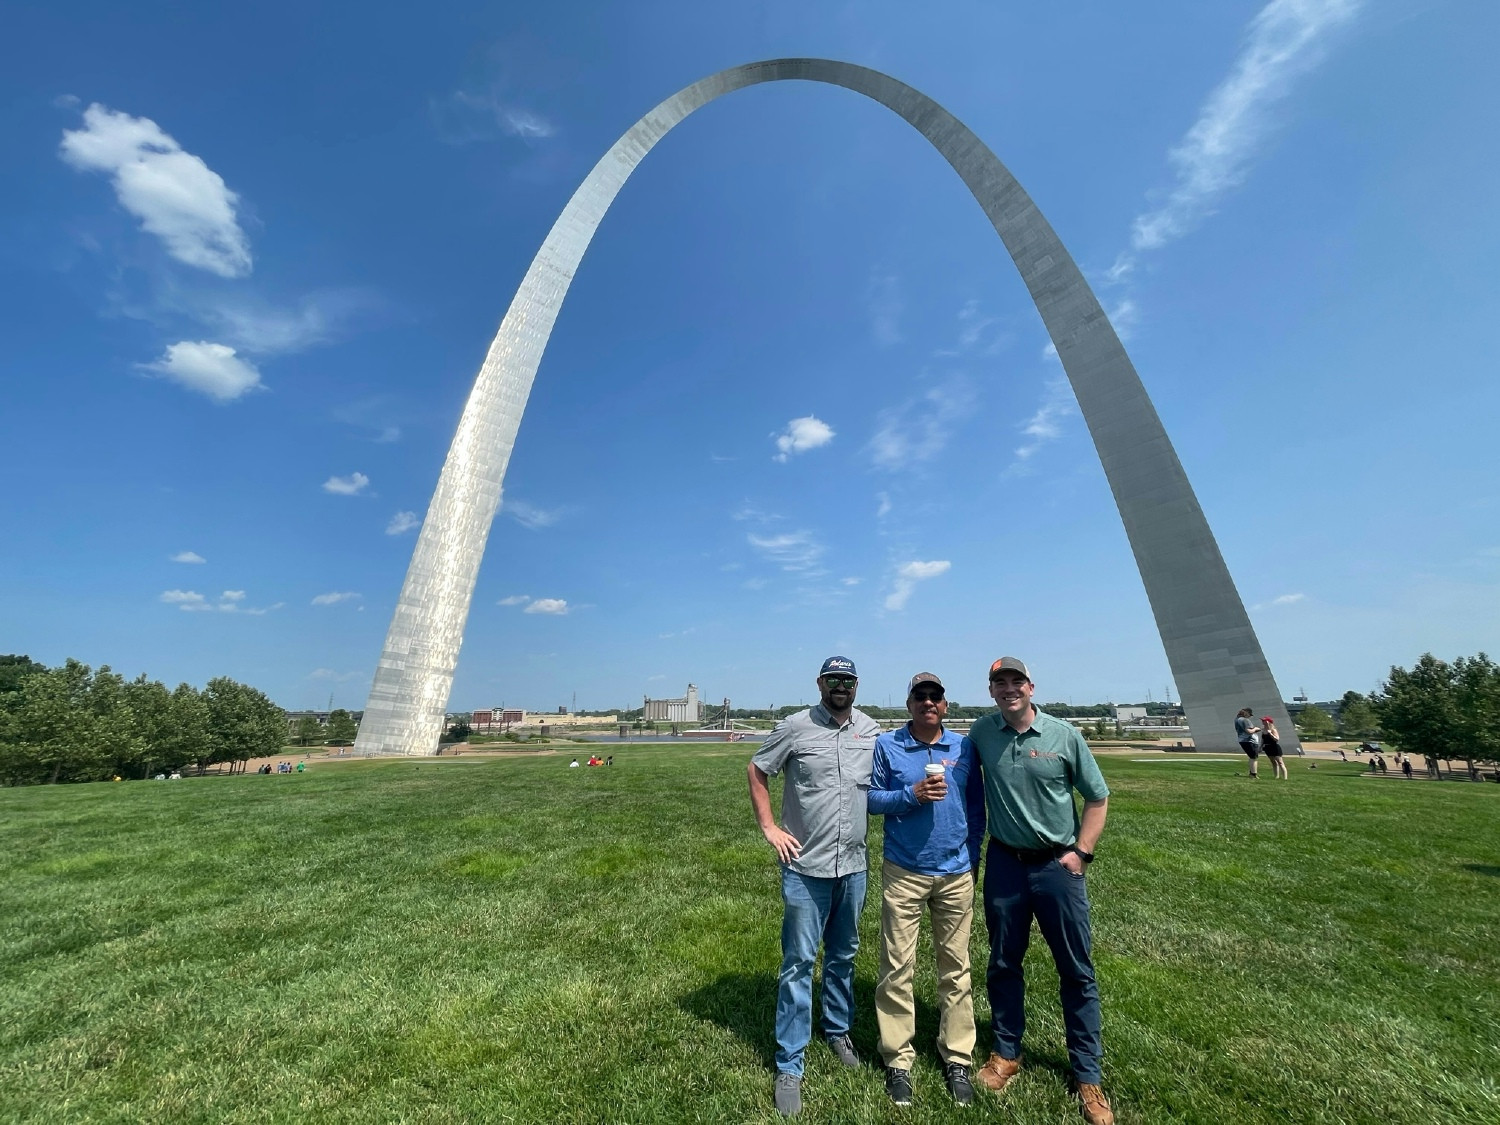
(510, 940)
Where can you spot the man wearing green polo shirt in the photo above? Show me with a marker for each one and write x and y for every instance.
(1034, 868)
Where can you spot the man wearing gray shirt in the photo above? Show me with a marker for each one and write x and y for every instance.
(826, 753)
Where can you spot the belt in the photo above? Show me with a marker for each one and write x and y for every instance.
(1029, 856)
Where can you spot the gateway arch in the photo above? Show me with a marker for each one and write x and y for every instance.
(1211, 647)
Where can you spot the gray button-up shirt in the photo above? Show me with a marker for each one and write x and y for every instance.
(827, 768)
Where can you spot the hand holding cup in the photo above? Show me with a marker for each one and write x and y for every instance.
(933, 787)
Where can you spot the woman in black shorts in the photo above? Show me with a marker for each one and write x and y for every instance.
(1270, 742)
(1249, 735)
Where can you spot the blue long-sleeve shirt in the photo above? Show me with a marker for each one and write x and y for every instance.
(939, 838)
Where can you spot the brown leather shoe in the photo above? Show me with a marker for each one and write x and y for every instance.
(997, 1072)
(1096, 1109)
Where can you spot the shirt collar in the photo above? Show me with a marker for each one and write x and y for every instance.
(819, 714)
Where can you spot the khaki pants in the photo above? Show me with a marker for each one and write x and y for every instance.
(950, 898)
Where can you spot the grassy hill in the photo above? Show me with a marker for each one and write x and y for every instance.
(510, 940)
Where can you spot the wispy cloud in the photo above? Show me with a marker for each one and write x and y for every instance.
(188, 557)
(797, 552)
(800, 435)
(352, 485)
(335, 597)
(885, 306)
(1285, 39)
(1284, 599)
(230, 601)
(906, 578)
(465, 116)
(210, 369)
(515, 599)
(402, 522)
(882, 505)
(918, 429)
(332, 676)
(1046, 424)
(529, 515)
(174, 194)
(556, 607)
(264, 329)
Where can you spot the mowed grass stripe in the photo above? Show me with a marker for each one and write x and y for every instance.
(512, 940)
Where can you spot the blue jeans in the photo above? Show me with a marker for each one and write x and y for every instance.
(1014, 893)
(816, 910)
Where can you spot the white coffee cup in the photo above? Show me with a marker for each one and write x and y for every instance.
(935, 769)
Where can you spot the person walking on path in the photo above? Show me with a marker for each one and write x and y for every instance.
(1249, 738)
(1270, 742)
(826, 752)
(1406, 766)
(926, 783)
(1034, 868)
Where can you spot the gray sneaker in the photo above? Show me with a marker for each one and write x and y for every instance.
(843, 1048)
(898, 1085)
(788, 1094)
(956, 1075)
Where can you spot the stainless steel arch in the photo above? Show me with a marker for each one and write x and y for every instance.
(1211, 647)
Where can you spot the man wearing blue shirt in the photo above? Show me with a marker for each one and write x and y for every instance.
(927, 784)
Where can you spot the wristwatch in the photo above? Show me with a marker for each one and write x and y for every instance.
(1087, 857)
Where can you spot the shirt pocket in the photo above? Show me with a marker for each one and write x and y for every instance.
(859, 761)
(817, 765)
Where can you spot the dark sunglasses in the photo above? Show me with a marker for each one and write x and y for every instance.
(840, 681)
(928, 696)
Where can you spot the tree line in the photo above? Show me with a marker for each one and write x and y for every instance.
(1437, 709)
(73, 723)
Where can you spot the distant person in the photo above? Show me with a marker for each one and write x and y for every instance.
(1406, 768)
(573, 765)
(826, 752)
(1270, 742)
(610, 760)
(301, 766)
(926, 783)
(1342, 756)
(1248, 735)
(1034, 868)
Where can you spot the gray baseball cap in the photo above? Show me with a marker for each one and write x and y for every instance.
(923, 678)
(1009, 664)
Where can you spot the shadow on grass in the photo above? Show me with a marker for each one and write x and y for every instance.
(1483, 869)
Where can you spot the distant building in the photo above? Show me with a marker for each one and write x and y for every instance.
(688, 709)
(1129, 714)
(496, 718)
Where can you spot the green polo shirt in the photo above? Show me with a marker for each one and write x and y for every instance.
(1029, 779)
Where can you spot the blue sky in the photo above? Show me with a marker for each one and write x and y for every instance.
(797, 401)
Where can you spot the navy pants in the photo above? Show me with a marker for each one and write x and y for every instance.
(1014, 894)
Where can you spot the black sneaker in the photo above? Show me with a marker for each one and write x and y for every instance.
(898, 1085)
(956, 1075)
(843, 1048)
(788, 1094)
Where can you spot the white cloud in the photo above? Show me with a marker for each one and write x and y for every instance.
(1284, 39)
(335, 597)
(333, 676)
(850, 581)
(885, 309)
(800, 435)
(1046, 424)
(796, 551)
(1288, 599)
(907, 577)
(402, 522)
(352, 485)
(557, 607)
(230, 601)
(515, 599)
(883, 505)
(174, 194)
(529, 515)
(467, 115)
(211, 369)
(188, 557)
(918, 429)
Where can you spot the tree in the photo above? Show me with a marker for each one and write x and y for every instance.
(1417, 709)
(1314, 723)
(458, 732)
(51, 728)
(308, 730)
(14, 670)
(242, 723)
(1476, 698)
(1357, 717)
(342, 728)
